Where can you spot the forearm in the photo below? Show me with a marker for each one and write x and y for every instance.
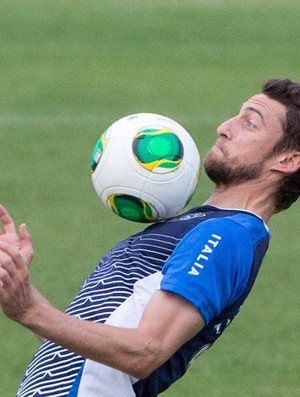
(43, 300)
(123, 349)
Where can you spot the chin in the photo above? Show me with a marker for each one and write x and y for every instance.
(213, 157)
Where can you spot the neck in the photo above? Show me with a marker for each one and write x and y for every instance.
(249, 196)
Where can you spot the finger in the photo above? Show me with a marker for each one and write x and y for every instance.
(5, 278)
(10, 257)
(6, 220)
(7, 263)
(26, 244)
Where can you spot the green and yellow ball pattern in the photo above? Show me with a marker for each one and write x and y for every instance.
(132, 208)
(158, 150)
(98, 150)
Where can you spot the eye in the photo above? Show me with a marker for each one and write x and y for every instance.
(250, 124)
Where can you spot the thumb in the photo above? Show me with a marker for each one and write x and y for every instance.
(26, 244)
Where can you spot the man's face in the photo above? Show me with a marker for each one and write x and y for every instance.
(246, 141)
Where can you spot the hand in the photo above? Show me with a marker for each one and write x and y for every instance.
(16, 254)
(10, 236)
(16, 291)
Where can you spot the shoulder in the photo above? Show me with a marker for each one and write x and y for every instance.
(230, 227)
(211, 265)
(249, 223)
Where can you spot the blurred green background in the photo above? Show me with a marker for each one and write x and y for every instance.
(71, 68)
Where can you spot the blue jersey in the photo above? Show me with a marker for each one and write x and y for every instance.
(209, 256)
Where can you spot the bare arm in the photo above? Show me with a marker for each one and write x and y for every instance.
(168, 321)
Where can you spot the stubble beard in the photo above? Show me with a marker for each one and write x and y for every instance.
(226, 173)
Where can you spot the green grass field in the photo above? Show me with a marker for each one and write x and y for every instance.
(69, 69)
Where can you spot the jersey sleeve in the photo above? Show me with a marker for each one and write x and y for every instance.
(211, 265)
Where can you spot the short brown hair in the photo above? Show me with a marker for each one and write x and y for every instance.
(287, 92)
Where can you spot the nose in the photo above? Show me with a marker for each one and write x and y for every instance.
(225, 129)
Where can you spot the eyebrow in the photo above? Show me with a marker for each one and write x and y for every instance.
(252, 109)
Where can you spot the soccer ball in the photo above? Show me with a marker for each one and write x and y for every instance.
(145, 167)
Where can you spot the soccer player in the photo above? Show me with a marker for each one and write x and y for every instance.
(163, 296)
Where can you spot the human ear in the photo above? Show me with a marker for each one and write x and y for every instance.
(288, 163)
